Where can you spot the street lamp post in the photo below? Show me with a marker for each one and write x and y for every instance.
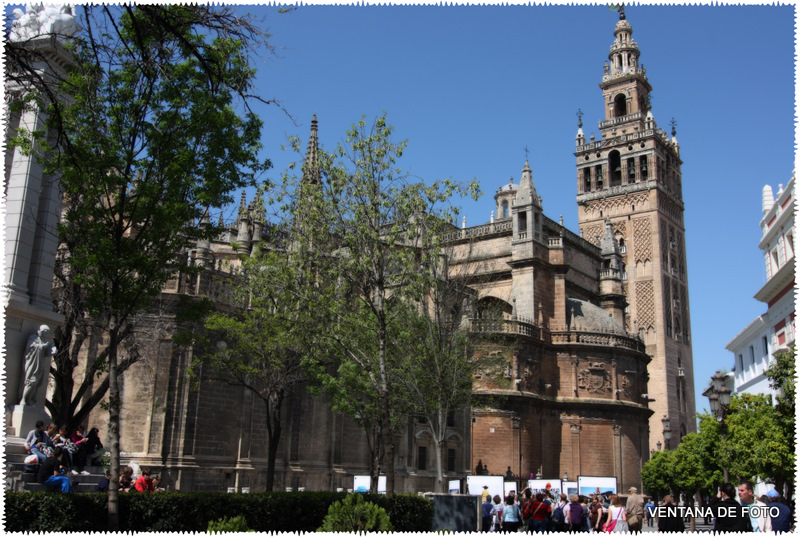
(667, 432)
(719, 400)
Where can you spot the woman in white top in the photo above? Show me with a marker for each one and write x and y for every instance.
(497, 512)
(616, 512)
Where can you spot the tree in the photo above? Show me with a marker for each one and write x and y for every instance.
(781, 374)
(260, 344)
(146, 139)
(657, 477)
(373, 247)
(436, 366)
(692, 467)
(756, 442)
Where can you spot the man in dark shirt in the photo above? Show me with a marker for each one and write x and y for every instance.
(782, 522)
(729, 514)
(50, 472)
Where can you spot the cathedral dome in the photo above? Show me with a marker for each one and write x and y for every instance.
(508, 188)
(584, 316)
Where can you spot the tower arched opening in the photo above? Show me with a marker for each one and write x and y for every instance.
(615, 168)
(620, 105)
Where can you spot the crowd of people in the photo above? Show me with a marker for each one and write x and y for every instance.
(542, 512)
(56, 453)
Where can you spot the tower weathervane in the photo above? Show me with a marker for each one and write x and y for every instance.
(673, 124)
(580, 117)
(526, 153)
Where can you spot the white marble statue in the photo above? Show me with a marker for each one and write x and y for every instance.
(37, 366)
(40, 20)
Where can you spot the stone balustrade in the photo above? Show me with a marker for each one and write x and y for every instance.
(598, 338)
(478, 231)
(621, 119)
(507, 327)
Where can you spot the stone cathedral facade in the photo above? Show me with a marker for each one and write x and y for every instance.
(586, 335)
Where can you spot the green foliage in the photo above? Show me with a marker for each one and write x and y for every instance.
(173, 512)
(755, 441)
(781, 374)
(225, 524)
(260, 343)
(694, 465)
(657, 475)
(353, 514)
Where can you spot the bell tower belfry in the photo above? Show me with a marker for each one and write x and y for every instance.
(631, 177)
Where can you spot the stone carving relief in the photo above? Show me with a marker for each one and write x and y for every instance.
(495, 367)
(594, 379)
(627, 386)
(641, 240)
(530, 371)
(40, 19)
(645, 305)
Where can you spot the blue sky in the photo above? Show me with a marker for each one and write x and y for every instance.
(471, 86)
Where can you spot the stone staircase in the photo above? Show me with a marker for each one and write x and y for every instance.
(19, 481)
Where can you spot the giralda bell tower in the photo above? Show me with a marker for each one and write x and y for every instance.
(631, 176)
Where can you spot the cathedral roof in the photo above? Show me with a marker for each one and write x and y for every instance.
(584, 316)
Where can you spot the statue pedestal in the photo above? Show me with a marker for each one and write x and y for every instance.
(24, 418)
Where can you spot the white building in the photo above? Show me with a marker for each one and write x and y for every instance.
(754, 347)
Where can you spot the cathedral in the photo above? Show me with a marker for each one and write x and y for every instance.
(586, 336)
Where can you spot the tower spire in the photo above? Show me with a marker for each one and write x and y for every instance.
(311, 175)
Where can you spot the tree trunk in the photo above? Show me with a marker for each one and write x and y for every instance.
(113, 430)
(375, 463)
(388, 442)
(386, 417)
(61, 405)
(273, 438)
(439, 486)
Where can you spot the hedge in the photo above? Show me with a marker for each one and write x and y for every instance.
(192, 511)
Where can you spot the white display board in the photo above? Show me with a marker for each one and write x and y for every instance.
(569, 488)
(454, 486)
(475, 485)
(588, 485)
(545, 485)
(509, 487)
(361, 483)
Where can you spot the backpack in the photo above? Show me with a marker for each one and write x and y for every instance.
(558, 514)
(527, 509)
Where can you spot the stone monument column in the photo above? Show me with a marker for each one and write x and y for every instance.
(33, 209)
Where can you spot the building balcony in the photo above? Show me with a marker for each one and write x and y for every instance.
(506, 327)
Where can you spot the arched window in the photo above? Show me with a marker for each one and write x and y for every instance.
(620, 106)
(493, 308)
(615, 168)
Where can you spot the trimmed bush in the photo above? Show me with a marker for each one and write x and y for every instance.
(353, 514)
(236, 524)
(192, 511)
